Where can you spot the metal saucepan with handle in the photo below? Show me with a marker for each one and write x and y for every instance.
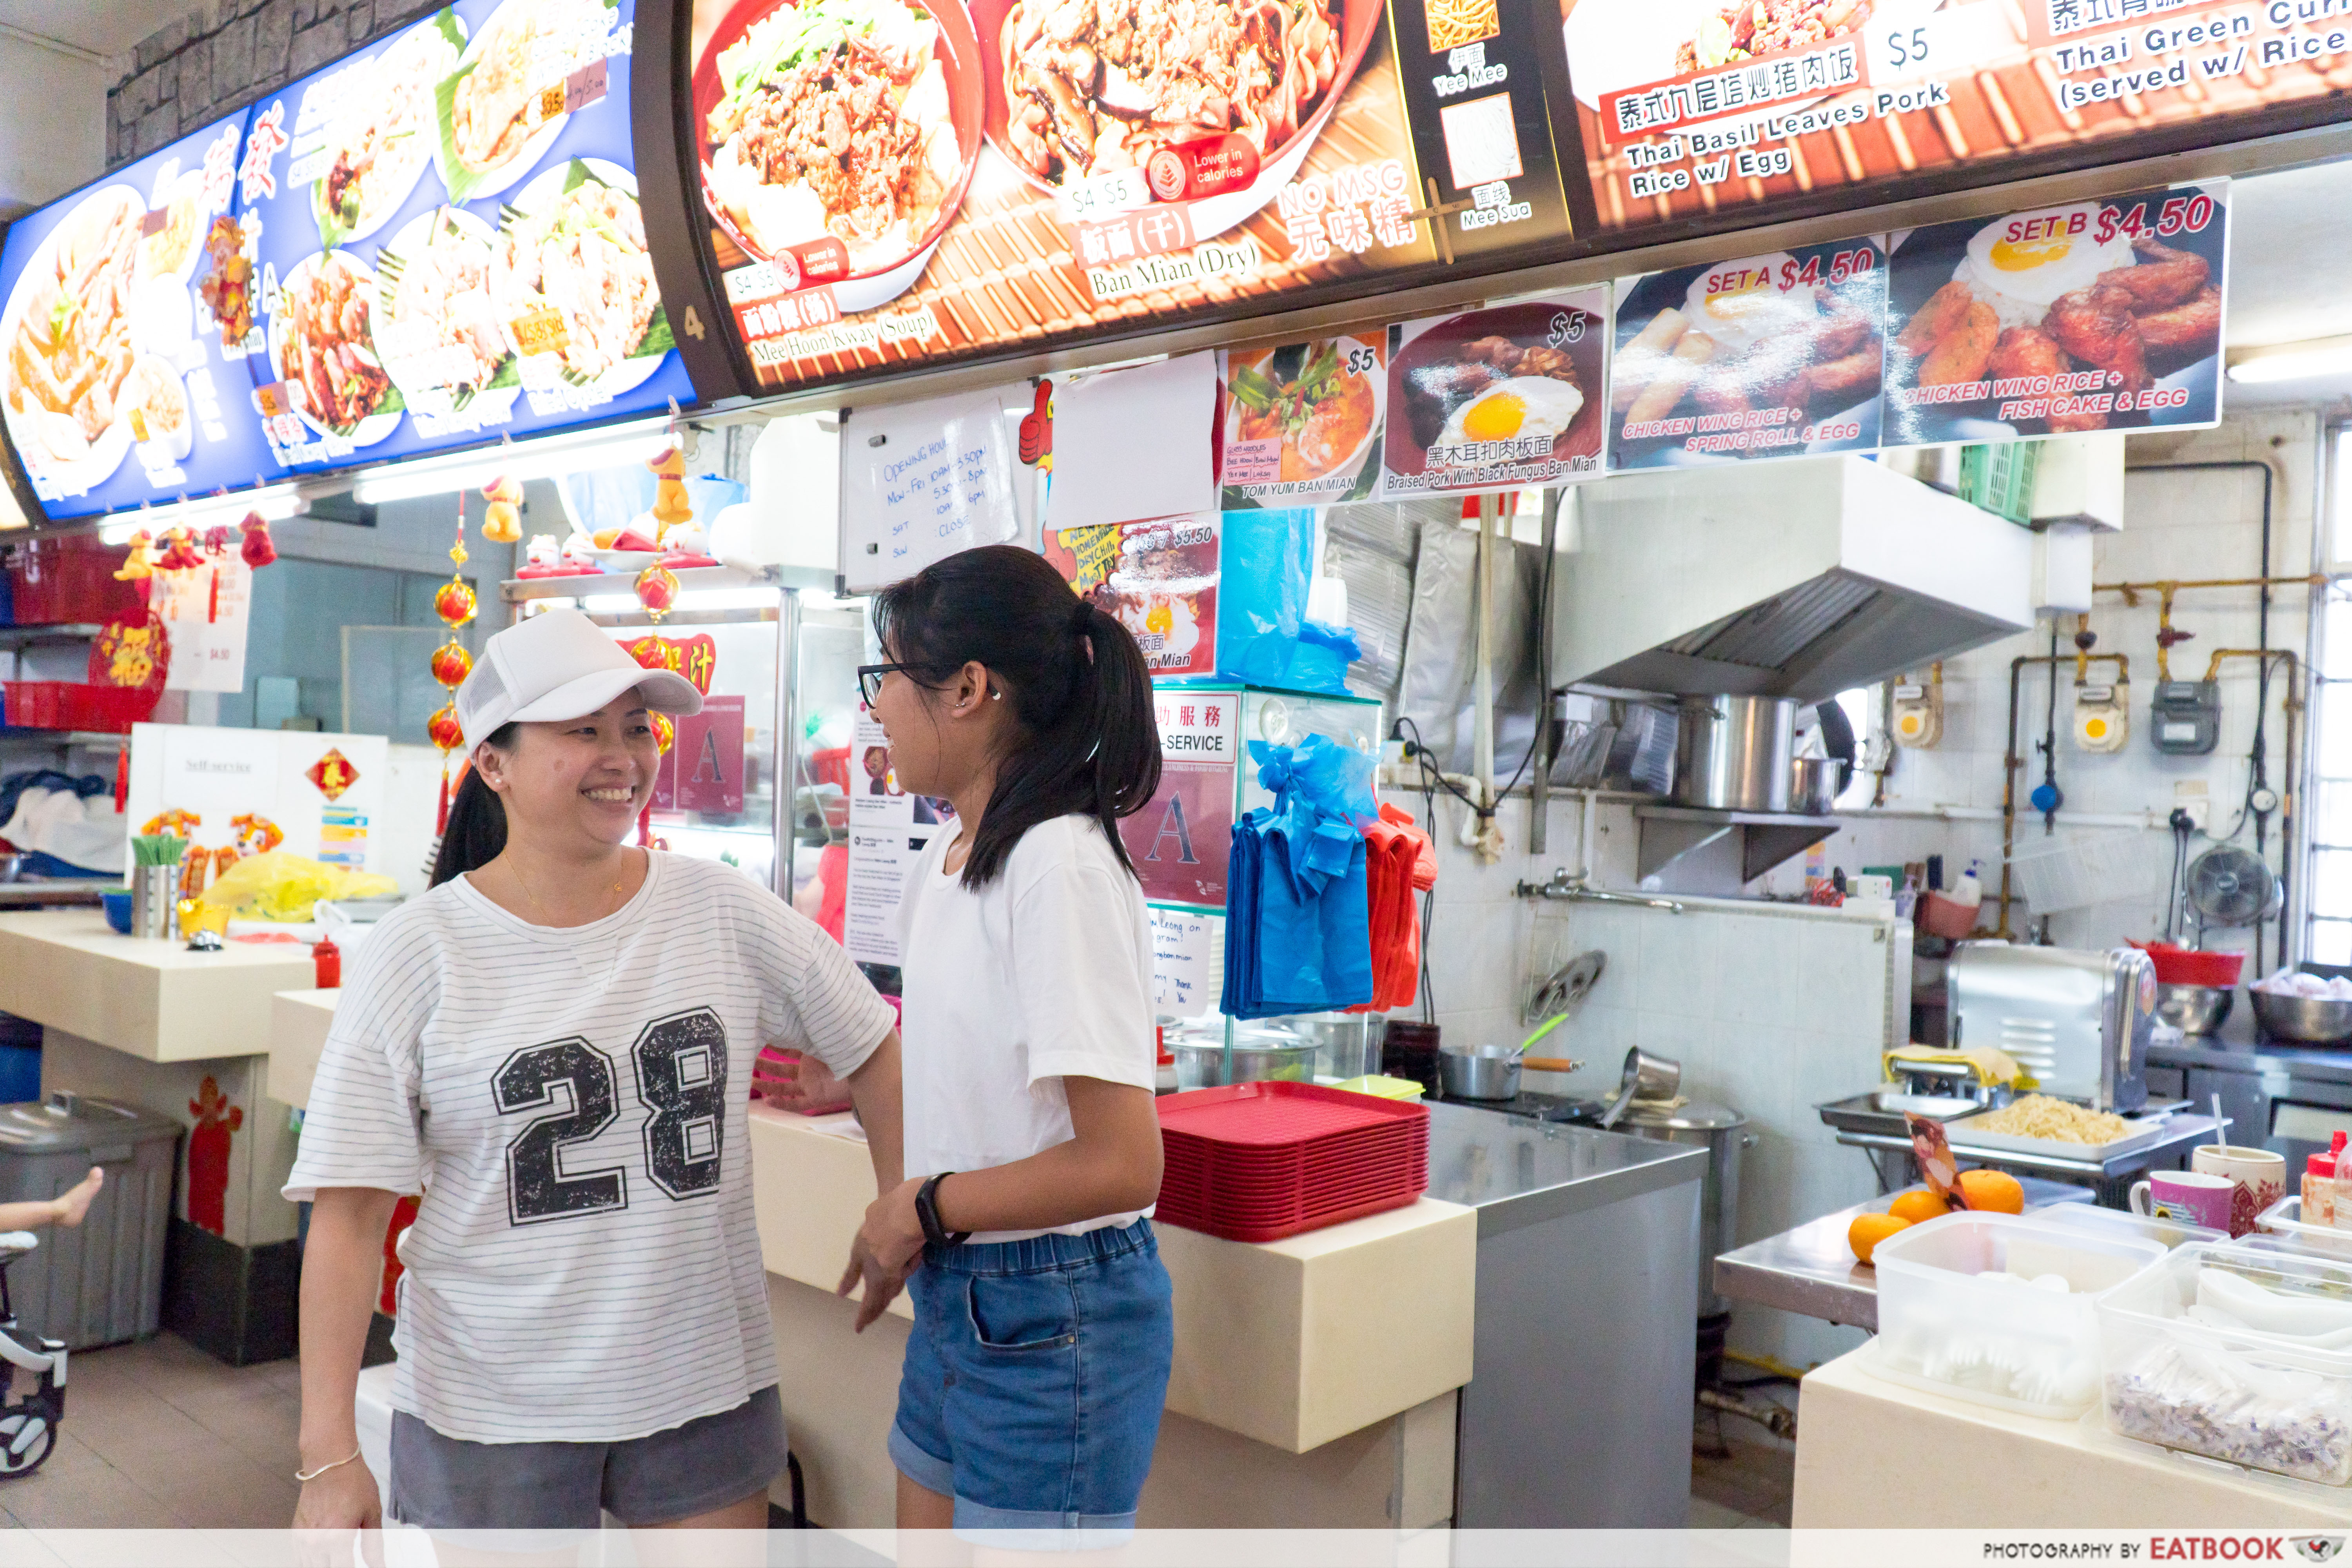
(1492, 1072)
(1645, 1077)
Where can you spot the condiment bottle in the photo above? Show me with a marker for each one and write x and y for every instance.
(327, 959)
(2319, 1184)
(2340, 1216)
(1969, 889)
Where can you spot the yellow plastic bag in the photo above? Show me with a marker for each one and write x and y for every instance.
(276, 885)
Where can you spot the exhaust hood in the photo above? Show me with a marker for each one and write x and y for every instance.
(1798, 579)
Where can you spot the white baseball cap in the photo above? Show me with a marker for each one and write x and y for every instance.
(555, 666)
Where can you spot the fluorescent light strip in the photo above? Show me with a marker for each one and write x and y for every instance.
(2294, 362)
(521, 460)
(275, 503)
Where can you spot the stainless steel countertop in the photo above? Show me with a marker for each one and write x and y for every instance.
(1809, 1271)
(1517, 1171)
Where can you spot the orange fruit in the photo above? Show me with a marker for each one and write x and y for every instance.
(1869, 1229)
(1917, 1207)
(1997, 1191)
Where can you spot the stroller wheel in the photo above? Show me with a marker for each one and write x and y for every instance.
(26, 1438)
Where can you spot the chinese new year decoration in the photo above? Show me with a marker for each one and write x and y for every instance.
(455, 604)
(130, 651)
(183, 550)
(208, 1150)
(257, 549)
(227, 289)
(695, 658)
(502, 523)
(657, 590)
(330, 775)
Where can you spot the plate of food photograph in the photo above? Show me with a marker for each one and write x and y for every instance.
(383, 134)
(1506, 374)
(323, 345)
(1768, 356)
(855, 121)
(570, 253)
(491, 114)
(1078, 89)
(1303, 421)
(2036, 296)
(68, 331)
(435, 324)
(155, 407)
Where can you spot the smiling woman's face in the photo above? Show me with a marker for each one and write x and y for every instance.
(580, 781)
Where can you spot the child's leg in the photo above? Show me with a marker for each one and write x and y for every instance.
(67, 1209)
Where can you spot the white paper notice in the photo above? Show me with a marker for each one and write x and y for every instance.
(1134, 444)
(204, 614)
(887, 830)
(1186, 976)
(919, 483)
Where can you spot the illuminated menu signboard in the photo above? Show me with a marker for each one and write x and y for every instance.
(1730, 114)
(427, 245)
(886, 183)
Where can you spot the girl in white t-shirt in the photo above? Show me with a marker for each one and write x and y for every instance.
(1038, 1363)
(554, 1045)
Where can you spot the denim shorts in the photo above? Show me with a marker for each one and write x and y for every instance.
(452, 1484)
(1034, 1379)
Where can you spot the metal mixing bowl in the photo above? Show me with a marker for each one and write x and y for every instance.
(2304, 1018)
(2194, 1009)
(1203, 1064)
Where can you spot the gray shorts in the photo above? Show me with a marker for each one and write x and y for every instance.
(449, 1483)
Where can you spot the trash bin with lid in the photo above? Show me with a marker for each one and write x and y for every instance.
(102, 1282)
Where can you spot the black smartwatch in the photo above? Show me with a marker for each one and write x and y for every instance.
(927, 1210)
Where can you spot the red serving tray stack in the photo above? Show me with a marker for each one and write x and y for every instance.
(71, 705)
(1258, 1162)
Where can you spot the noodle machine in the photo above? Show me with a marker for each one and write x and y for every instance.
(2079, 1021)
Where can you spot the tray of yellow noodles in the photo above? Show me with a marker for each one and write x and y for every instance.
(2058, 1129)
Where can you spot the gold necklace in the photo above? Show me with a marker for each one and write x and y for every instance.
(516, 866)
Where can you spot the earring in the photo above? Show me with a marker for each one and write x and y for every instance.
(996, 697)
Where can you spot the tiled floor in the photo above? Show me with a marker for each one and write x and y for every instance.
(1748, 1490)
(161, 1434)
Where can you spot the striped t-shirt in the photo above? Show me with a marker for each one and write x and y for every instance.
(584, 1266)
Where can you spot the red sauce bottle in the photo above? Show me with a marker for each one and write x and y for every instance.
(329, 959)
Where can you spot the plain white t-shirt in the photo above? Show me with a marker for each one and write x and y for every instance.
(1043, 974)
(586, 1266)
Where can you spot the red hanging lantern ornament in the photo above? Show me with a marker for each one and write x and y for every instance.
(664, 737)
(257, 549)
(657, 592)
(455, 605)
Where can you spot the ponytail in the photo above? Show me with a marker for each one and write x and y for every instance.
(478, 821)
(1081, 693)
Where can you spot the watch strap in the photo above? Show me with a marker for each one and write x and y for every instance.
(926, 1212)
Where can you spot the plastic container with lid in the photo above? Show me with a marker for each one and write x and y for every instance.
(102, 1282)
(2266, 1401)
(1967, 1307)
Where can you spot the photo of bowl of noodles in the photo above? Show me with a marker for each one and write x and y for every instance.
(68, 328)
(171, 252)
(493, 109)
(155, 408)
(380, 140)
(855, 121)
(1078, 89)
(322, 343)
(569, 273)
(434, 325)
(1304, 417)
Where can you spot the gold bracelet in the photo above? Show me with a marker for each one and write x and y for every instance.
(306, 1477)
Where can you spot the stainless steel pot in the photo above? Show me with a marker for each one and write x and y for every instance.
(1814, 785)
(1733, 753)
(1722, 1132)
(1258, 1057)
(1479, 1072)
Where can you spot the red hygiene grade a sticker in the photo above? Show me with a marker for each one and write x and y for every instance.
(1210, 166)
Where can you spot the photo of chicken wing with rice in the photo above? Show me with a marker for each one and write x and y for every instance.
(1745, 336)
(322, 343)
(836, 120)
(436, 324)
(2043, 296)
(68, 329)
(1093, 85)
(1729, 33)
(574, 243)
(1318, 402)
(380, 140)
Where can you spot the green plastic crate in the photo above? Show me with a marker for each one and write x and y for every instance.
(1998, 476)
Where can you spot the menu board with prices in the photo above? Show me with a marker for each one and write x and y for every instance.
(1302, 422)
(1498, 399)
(450, 243)
(1765, 356)
(1733, 114)
(1034, 169)
(2091, 315)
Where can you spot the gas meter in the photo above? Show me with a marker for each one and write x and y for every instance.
(2102, 716)
(2185, 717)
(1918, 719)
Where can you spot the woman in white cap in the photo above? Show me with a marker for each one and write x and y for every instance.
(554, 1045)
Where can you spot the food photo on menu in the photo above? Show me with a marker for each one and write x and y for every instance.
(1302, 422)
(2092, 315)
(448, 238)
(1766, 356)
(1104, 162)
(1496, 399)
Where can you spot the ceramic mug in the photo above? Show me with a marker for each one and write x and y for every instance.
(2193, 1197)
(2257, 1175)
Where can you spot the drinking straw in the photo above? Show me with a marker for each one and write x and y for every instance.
(2219, 1141)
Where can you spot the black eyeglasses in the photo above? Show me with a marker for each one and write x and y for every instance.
(869, 679)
